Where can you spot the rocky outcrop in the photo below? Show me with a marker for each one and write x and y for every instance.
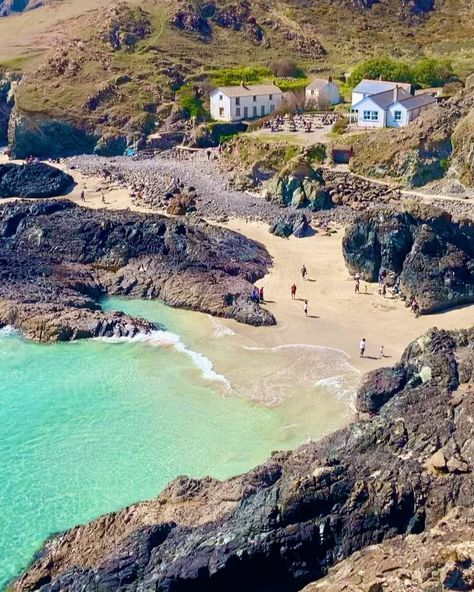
(58, 260)
(432, 255)
(298, 185)
(124, 26)
(440, 559)
(284, 524)
(292, 224)
(33, 180)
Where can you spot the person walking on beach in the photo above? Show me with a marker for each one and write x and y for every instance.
(382, 354)
(357, 287)
(83, 197)
(293, 291)
(208, 155)
(304, 272)
(261, 294)
(102, 197)
(305, 308)
(362, 347)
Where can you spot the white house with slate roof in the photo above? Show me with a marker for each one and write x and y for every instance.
(236, 103)
(321, 92)
(390, 108)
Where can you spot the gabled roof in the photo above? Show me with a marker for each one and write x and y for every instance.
(248, 90)
(319, 83)
(374, 87)
(385, 99)
(418, 101)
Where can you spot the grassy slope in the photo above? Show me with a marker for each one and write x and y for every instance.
(347, 34)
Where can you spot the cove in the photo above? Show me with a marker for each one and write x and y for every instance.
(92, 426)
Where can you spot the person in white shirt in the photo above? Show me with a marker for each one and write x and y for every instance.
(362, 347)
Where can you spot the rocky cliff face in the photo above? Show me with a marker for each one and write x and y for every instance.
(440, 559)
(432, 255)
(59, 259)
(281, 526)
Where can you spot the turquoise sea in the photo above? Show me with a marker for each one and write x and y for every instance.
(91, 426)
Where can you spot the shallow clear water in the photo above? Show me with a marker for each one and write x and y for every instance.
(89, 427)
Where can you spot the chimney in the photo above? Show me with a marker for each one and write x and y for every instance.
(395, 94)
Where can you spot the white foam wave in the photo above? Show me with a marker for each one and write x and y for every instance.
(169, 339)
(340, 388)
(298, 346)
(8, 330)
(220, 330)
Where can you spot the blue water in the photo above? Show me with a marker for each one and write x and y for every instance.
(91, 426)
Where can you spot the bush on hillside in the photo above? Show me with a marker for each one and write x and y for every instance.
(286, 67)
(384, 68)
(431, 72)
(191, 104)
(340, 126)
(234, 76)
(426, 72)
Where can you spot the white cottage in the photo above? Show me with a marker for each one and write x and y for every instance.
(393, 108)
(322, 92)
(235, 103)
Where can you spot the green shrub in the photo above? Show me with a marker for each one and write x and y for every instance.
(291, 84)
(425, 72)
(234, 76)
(316, 153)
(432, 72)
(383, 67)
(340, 126)
(191, 104)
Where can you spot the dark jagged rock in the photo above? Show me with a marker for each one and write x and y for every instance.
(441, 559)
(58, 260)
(432, 255)
(295, 224)
(33, 180)
(282, 525)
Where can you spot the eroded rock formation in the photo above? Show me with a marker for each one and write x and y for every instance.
(58, 260)
(432, 255)
(282, 525)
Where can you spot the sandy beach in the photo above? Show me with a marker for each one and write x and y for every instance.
(337, 317)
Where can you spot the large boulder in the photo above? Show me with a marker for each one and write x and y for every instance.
(432, 255)
(295, 223)
(33, 180)
(298, 184)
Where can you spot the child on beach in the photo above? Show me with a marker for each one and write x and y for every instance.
(362, 347)
(293, 291)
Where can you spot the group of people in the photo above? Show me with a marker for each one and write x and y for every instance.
(256, 295)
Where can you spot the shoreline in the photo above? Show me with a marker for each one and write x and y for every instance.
(342, 317)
